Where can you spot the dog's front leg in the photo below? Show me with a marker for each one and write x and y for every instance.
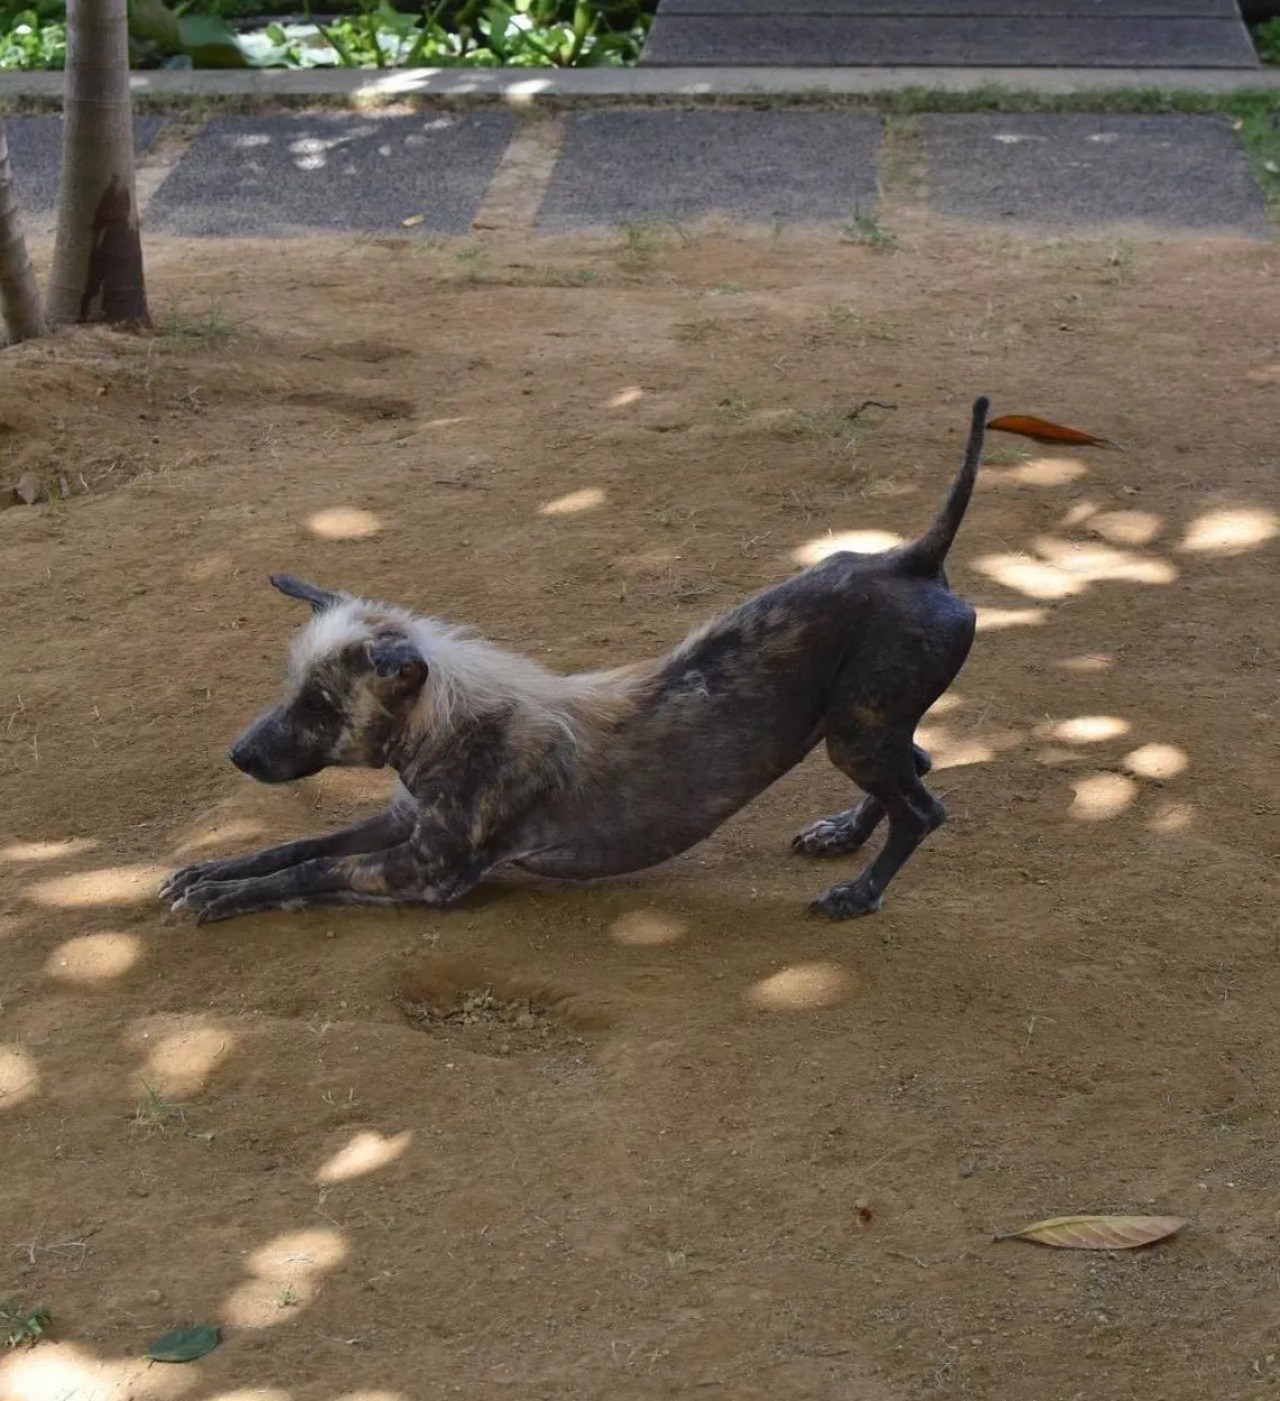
(387, 829)
(405, 874)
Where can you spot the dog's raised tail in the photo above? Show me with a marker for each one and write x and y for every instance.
(930, 550)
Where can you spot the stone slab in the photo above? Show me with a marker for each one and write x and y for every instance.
(960, 9)
(276, 176)
(1083, 171)
(35, 152)
(830, 40)
(656, 164)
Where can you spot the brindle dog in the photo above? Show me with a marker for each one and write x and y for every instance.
(505, 764)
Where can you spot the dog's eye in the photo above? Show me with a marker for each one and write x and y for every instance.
(313, 704)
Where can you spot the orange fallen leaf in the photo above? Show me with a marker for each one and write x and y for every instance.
(1045, 432)
(1098, 1232)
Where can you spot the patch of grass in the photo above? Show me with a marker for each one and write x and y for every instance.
(641, 238)
(22, 1324)
(847, 320)
(1002, 456)
(474, 260)
(736, 407)
(210, 327)
(155, 1113)
(727, 289)
(289, 1298)
(1117, 269)
(565, 277)
(865, 229)
(902, 171)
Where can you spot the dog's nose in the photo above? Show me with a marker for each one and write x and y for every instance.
(239, 756)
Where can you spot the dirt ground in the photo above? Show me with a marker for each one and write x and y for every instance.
(666, 1136)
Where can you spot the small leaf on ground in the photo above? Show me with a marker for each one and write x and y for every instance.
(1098, 1232)
(185, 1344)
(1043, 431)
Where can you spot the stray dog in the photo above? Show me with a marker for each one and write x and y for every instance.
(505, 764)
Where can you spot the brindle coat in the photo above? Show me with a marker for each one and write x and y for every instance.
(504, 764)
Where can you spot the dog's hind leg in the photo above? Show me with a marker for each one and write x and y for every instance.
(888, 775)
(847, 831)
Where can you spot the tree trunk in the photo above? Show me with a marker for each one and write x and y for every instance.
(97, 254)
(19, 295)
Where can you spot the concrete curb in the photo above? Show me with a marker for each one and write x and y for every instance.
(527, 86)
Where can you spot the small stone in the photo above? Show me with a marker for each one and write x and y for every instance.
(153, 1296)
(968, 1168)
(29, 488)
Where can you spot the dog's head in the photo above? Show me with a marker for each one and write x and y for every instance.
(355, 674)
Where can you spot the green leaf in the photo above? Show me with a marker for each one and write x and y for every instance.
(153, 20)
(211, 42)
(185, 1344)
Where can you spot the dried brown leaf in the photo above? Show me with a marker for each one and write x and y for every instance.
(1098, 1232)
(1043, 431)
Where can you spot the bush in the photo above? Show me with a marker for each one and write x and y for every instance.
(356, 34)
(1266, 39)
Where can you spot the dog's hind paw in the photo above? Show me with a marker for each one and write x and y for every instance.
(824, 838)
(848, 901)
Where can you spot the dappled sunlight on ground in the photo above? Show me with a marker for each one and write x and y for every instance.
(344, 523)
(94, 958)
(253, 1393)
(803, 987)
(367, 1152)
(219, 835)
(1086, 729)
(19, 1078)
(107, 885)
(1172, 817)
(1101, 796)
(858, 542)
(1087, 663)
(286, 1276)
(1157, 761)
(1067, 569)
(58, 1371)
(48, 851)
(1231, 532)
(181, 1050)
(1126, 527)
(951, 751)
(590, 498)
(647, 928)
(998, 619)
(1039, 471)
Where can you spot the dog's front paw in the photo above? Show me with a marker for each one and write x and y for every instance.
(850, 900)
(179, 882)
(210, 900)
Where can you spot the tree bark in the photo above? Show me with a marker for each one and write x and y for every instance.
(19, 294)
(97, 254)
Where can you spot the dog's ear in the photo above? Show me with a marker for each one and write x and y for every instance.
(397, 660)
(319, 599)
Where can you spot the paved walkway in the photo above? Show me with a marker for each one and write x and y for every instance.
(989, 33)
(284, 174)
